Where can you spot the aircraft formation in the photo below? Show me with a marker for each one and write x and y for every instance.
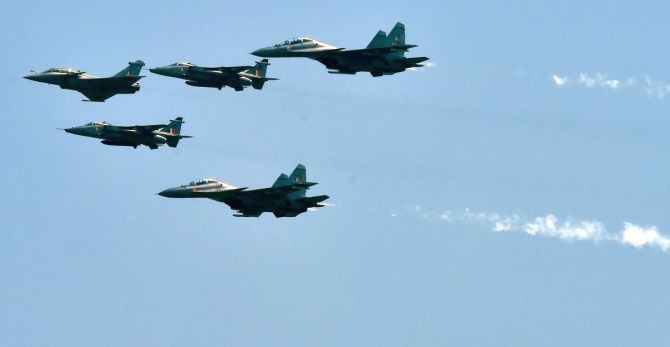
(384, 55)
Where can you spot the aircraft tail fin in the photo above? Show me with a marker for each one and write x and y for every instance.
(133, 69)
(282, 180)
(299, 175)
(174, 128)
(379, 40)
(257, 74)
(297, 179)
(397, 35)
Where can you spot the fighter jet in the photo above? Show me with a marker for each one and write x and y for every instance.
(94, 88)
(133, 136)
(236, 77)
(385, 55)
(286, 197)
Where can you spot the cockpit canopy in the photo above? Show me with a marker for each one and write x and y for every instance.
(295, 41)
(201, 182)
(95, 123)
(185, 64)
(61, 70)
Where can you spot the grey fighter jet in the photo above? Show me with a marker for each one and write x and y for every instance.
(286, 197)
(133, 136)
(94, 88)
(236, 77)
(385, 55)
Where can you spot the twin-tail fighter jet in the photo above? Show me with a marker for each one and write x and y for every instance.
(236, 77)
(133, 136)
(385, 55)
(286, 197)
(94, 88)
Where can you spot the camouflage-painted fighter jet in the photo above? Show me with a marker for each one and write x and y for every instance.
(286, 197)
(133, 136)
(94, 88)
(236, 77)
(385, 55)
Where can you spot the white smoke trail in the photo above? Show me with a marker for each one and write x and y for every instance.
(550, 226)
(646, 84)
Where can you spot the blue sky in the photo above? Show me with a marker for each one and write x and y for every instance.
(514, 193)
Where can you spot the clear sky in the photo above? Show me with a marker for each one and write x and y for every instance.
(514, 193)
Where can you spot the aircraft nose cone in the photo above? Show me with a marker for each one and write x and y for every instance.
(31, 77)
(161, 71)
(169, 193)
(76, 131)
(261, 52)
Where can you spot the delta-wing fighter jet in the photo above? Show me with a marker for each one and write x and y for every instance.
(385, 55)
(236, 77)
(133, 136)
(94, 88)
(286, 197)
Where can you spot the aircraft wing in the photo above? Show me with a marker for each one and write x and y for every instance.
(218, 195)
(279, 190)
(143, 128)
(377, 51)
(332, 59)
(231, 69)
(109, 82)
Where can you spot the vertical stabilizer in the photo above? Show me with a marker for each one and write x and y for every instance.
(379, 40)
(282, 180)
(174, 128)
(259, 69)
(257, 74)
(397, 35)
(133, 69)
(299, 175)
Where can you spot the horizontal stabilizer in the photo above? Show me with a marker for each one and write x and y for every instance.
(412, 62)
(305, 184)
(404, 47)
(313, 201)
